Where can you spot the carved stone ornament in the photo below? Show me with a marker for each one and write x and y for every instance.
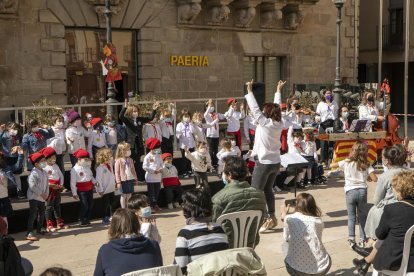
(188, 10)
(99, 8)
(245, 12)
(271, 14)
(102, 2)
(8, 6)
(218, 11)
(293, 16)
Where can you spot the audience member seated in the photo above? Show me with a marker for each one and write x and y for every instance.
(237, 195)
(56, 271)
(395, 221)
(127, 250)
(200, 236)
(306, 254)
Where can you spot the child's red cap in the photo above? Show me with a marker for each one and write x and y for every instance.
(48, 152)
(153, 143)
(81, 153)
(166, 155)
(36, 157)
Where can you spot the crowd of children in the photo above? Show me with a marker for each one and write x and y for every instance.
(106, 157)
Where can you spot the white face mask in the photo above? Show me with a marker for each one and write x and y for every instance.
(224, 179)
(202, 150)
(85, 163)
(168, 119)
(186, 120)
(42, 165)
(157, 151)
(59, 124)
(13, 132)
(233, 143)
(345, 114)
(212, 109)
(35, 129)
(51, 161)
(134, 115)
(111, 124)
(128, 153)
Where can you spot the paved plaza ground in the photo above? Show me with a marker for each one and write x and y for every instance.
(76, 248)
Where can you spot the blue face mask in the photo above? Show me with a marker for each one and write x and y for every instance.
(223, 177)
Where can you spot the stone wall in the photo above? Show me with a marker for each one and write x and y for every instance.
(32, 56)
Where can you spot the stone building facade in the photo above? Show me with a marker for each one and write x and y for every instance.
(264, 39)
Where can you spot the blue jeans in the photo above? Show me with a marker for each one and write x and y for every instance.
(153, 191)
(86, 202)
(356, 201)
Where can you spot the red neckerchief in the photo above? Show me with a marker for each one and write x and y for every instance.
(155, 130)
(14, 140)
(299, 146)
(213, 116)
(38, 136)
(108, 167)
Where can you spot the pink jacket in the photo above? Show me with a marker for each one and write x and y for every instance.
(120, 174)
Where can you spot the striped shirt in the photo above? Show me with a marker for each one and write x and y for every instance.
(197, 240)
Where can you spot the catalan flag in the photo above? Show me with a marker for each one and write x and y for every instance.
(343, 148)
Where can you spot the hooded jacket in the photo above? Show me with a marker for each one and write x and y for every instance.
(125, 255)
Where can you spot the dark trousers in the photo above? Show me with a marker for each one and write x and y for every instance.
(263, 178)
(173, 194)
(73, 160)
(185, 163)
(200, 178)
(136, 156)
(251, 141)
(153, 192)
(36, 209)
(108, 204)
(326, 150)
(213, 144)
(53, 206)
(86, 204)
(167, 145)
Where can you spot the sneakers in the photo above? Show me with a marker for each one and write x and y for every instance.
(31, 237)
(105, 220)
(269, 223)
(362, 266)
(276, 189)
(170, 206)
(50, 227)
(61, 224)
(176, 205)
(20, 195)
(42, 231)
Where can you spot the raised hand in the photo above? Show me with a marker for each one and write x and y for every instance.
(156, 105)
(280, 85)
(249, 86)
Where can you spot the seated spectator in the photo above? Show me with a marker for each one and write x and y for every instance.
(302, 230)
(127, 250)
(237, 195)
(56, 271)
(395, 221)
(200, 236)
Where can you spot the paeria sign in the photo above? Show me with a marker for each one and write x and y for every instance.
(189, 61)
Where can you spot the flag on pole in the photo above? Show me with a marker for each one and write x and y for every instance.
(343, 148)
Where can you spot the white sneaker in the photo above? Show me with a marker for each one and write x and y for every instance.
(170, 206)
(176, 205)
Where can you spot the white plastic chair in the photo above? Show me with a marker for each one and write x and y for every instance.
(168, 270)
(404, 263)
(241, 223)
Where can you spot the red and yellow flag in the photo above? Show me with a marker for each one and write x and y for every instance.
(343, 148)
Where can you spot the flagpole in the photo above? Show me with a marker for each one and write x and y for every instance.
(380, 31)
(407, 50)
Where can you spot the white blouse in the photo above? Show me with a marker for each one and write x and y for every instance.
(306, 252)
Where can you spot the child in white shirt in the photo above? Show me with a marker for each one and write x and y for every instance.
(58, 143)
(152, 130)
(201, 163)
(311, 156)
(166, 123)
(170, 181)
(249, 124)
(96, 140)
(223, 153)
(296, 145)
(152, 166)
(75, 134)
(185, 134)
(106, 178)
(201, 127)
(233, 119)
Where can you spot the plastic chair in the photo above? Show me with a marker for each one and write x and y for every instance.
(168, 270)
(404, 263)
(241, 223)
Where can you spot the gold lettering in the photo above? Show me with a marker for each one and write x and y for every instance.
(187, 60)
(205, 61)
(194, 61)
(180, 61)
(173, 60)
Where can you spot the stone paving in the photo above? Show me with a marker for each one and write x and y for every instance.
(76, 248)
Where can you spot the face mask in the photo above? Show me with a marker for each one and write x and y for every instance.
(212, 109)
(35, 129)
(157, 151)
(186, 120)
(224, 179)
(384, 167)
(77, 123)
(134, 115)
(128, 153)
(13, 132)
(370, 98)
(145, 212)
(42, 165)
(88, 117)
(59, 125)
(202, 150)
(233, 143)
(345, 114)
(85, 163)
(329, 98)
(111, 124)
(168, 119)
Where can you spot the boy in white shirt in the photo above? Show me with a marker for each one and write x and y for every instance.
(233, 119)
(152, 130)
(185, 134)
(212, 133)
(152, 166)
(75, 134)
(58, 143)
(223, 153)
(201, 163)
(167, 128)
(96, 140)
(171, 182)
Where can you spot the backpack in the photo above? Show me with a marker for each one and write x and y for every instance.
(10, 259)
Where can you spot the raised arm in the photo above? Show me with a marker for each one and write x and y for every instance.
(278, 94)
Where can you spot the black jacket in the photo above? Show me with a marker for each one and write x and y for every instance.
(122, 256)
(134, 129)
(395, 221)
(338, 126)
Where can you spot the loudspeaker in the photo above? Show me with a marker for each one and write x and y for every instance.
(259, 92)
